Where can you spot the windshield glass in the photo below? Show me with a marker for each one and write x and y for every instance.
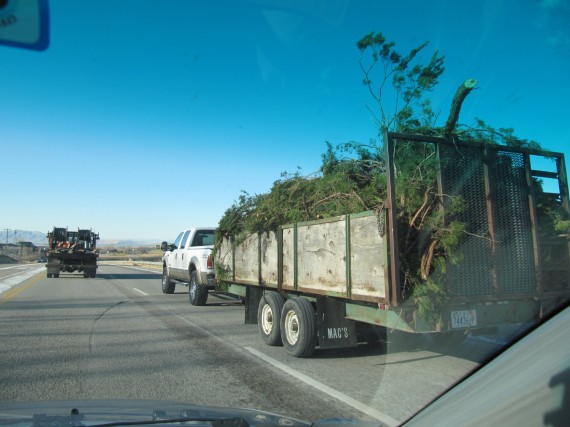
(386, 179)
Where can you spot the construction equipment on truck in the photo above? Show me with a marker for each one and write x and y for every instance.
(325, 282)
(71, 251)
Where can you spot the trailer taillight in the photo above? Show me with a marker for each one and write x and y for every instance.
(210, 262)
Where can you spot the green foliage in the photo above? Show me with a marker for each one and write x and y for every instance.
(430, 298)
(484, 133)
(561, 226)
(236, 217)
(406, 81)
(351, 179)
(553, 218)
(409, 80)
(424, 242)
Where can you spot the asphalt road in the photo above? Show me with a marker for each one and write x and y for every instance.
(118, 336)
(12, 274)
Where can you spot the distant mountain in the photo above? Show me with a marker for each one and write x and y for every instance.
(38, 238)
(124, 243)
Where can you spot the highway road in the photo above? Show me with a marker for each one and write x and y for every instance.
(12, 274)
(118, 336)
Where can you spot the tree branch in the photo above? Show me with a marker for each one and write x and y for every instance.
(456, 104)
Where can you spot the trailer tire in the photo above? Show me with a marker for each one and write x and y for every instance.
(86, 275)
(269, 318)
(197, 294)
(49, 275)
(298, 327)
(167, 284)
(56, 275)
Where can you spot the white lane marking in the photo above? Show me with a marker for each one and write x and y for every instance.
(14, 279)
(149, 270)
(140, 292)
(13, 266)
(10, 275)
(386, 419)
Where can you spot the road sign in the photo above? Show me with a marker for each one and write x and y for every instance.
(24, 24)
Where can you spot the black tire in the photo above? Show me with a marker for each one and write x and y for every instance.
(197, 294)
(49, 275)
(86, 275)
(167, 284)
(56, 275)
(269, 318)
(298, 327)
(93, 275)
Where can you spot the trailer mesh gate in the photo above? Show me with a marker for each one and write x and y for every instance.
(493, 184)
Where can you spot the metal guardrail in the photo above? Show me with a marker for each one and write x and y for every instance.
(134, 263)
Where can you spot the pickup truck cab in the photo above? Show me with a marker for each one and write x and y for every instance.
(189, 261)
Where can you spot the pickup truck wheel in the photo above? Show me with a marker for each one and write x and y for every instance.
(167, 284)
(269, 318)
(298, 327)
(197, 294)
(49, 275)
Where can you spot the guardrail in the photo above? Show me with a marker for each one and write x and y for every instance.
(134, 263)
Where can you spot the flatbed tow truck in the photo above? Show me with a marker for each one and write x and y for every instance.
(71, 251)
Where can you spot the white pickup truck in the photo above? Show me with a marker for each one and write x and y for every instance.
(189, 261)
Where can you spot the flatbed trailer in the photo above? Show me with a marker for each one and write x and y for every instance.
(325, 282)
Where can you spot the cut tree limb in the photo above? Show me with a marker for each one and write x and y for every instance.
(462, 92)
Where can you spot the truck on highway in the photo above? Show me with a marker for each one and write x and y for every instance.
(189, 261)
(330, 282)
(71, 251)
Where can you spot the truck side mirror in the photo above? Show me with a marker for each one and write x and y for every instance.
(164, 247)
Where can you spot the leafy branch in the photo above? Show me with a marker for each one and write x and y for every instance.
(409, 81)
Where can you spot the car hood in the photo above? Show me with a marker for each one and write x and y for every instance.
(97, 412)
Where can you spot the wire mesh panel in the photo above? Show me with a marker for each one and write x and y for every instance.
(504, 232)
(462, 175)
(499, 239)
(511, 212)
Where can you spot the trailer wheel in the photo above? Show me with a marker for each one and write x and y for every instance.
(298, 327)
(86, 275)
(197, 294)
(269, 318)
(56, 275)
(49, 275)
(167, 284)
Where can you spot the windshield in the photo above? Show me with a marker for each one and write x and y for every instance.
(386, 181)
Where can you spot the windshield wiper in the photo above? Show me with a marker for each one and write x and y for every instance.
(75, 419)
(215, 422)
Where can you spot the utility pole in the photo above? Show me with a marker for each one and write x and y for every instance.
(6, 247)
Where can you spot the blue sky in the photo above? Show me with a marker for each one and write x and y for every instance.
(144, 118)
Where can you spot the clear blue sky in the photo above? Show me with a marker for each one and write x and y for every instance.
(144, 118)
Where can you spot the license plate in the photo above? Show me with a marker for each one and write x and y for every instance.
(463, 318)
